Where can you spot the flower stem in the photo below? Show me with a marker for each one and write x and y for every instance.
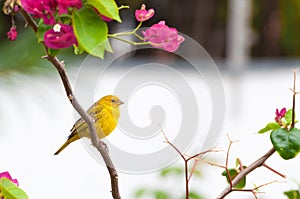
(128, 41)
(123, 7)
(126, 33)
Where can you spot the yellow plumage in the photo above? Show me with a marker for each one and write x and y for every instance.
(105, 112)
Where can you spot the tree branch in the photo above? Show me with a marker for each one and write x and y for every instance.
(246, 171)
(87, 118)
(261, 161)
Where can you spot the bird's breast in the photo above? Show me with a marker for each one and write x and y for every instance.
(107, 122)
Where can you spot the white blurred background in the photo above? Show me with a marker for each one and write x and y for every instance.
(36, 118)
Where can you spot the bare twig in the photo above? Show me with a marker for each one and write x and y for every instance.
(196, 160)
(294, 99)
(193, 168)
(227, 159)
(245, 172)
(255, 191)
(186, 159)
(87, 118)
(273, 170)
(185, 163)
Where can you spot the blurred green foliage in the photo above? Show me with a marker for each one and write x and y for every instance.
(25, 53)
(276, 24)
(292, 194)
(167, 174)
(290, 18)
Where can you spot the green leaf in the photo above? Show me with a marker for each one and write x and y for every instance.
(91, 31)
(140, 193)
(53, 52)
(108, 47)
(157, 194)
(78, 50)
(292, 194)
(10, 191)
(288, 116)
(269, 127)
(233, 173)
(42, 28)
(286, 143)
(197, 173)
(161, 194)
(171, 171)
(107, 8)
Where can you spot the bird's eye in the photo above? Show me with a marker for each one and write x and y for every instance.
(113, 101)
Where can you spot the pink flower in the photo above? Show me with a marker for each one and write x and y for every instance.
(280, 114)
(44, 9)
(63, 5)
(161, 36)
(60, 36)
(12, 33)
(7, 175)
(143, 14)
(16, 8)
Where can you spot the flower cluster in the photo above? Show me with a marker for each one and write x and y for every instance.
(7, 175)
(46, 9)
(279, 115)
(62, 35)
(143, 14)
(12, 33)
(159, 35)
(162, 36)
(59, 31)
(63, 5)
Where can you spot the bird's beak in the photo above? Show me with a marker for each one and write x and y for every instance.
(120, 102)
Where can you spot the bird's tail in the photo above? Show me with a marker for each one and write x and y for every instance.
(74, 136)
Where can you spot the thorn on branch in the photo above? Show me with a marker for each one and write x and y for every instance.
(255, 191)
(70, 97)
(273, 170)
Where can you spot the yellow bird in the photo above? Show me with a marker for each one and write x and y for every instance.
(105, 112)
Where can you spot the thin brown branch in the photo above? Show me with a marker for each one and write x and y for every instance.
(227, 159)
(196, 158)
(240, 163)
(186, 175)
(87, 118)
(202, 153)
(268, 183)
(273, 170)
(228, 150)
(193, 169)
(256, 164)
(212, 164)
(186, 159)
(255, 191)
(29, 20)
(172, 145)
(186, 172)
(294, 99)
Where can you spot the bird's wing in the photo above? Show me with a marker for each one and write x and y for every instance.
(79, 127)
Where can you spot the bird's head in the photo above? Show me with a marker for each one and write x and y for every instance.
(111, 100)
